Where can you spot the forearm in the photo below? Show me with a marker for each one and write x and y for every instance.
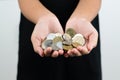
(33, 9)
(87, 9)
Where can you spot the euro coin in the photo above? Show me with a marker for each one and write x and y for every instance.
(66, 48)
(58, 35)
(57, 39)
(46, 43)
(57, 46)
(75, 44)
(71, 32)
(78, 38)
(51, 36)
(67, 40)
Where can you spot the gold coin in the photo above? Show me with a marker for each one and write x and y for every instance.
(65, 47)
(57, 39)
(78, 38)
(67, 42)
(71, 32)
(75, 44)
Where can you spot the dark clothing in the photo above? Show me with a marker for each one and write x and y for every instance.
(33, 67)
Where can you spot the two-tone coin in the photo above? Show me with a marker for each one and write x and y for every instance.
(67, 40)
(66, 47)
(70, 31)
(79, 39)
(46, 43)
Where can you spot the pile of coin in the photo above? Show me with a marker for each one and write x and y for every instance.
(67, 41)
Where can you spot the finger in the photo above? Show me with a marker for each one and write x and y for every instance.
(85, 50)
(79, 48)
(93, 39)
(48, 51)
(75, 52)
(61, 52)
(55, 54)
(69, 52)
(66, 55)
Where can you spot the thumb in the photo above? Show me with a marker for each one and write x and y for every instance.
(36, 42)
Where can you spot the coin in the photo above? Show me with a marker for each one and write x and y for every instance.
(79, 39)
(51, 36)
(67, 40)
(58, 34)
(57, 39)
(57, 46)
(71, 32)
(65, 47)
(46, 43)
(75, 44)
(66, 37)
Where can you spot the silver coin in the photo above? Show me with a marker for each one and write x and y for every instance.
(46, 43)
(58, 35)
(51, 36)
(57, 46)
(67, 40)
(79, 39)
(66, 37)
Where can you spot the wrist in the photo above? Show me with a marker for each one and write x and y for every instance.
(46, 17)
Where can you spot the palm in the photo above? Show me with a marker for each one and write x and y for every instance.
(88, 31)
(41, 30)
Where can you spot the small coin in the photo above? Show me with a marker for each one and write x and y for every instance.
(66, 48)
(71, 32)
(58, 35)
(57, 46)
(46, 43)
(57, 39)
(75, 44)
(54, 47)
(66, 37)
(67, 40)
(51, 36)
(78, 38)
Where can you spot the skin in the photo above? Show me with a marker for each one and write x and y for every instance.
(81, 18)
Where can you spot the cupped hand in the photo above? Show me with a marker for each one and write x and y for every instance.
(85, 28)
(46, 24)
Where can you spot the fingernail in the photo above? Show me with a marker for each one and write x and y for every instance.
(90, 48)
(66, 55)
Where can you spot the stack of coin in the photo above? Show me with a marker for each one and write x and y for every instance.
(67, 41)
